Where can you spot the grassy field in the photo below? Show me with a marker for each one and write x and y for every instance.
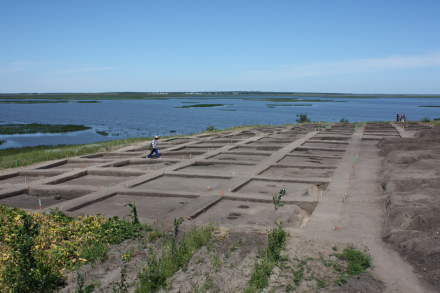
(9, 129)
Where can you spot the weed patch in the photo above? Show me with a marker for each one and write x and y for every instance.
(268, 257)
(37, 248)
(173, 257)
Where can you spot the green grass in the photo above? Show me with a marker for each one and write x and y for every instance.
(358, 261)
(201, 106)
(95, 252)
(31, 155)
(102, 133)
(173, 257)
(9, 129)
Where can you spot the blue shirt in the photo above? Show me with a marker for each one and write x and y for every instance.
(154, 143)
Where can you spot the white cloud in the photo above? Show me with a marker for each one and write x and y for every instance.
(19, 66)
(351, 66)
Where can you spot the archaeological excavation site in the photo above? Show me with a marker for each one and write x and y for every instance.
(370, 189)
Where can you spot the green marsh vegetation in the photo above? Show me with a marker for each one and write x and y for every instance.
(102, 133)
(2, 141)
(45, 102)
(9, 129)
(202, 106)
(288, 105)
(430, 106)
(343, 120)
(199, 96)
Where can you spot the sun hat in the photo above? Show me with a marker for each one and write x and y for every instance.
(156, 136)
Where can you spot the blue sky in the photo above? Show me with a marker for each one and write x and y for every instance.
(300, 46)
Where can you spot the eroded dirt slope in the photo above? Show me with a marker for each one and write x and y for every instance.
(411, 178)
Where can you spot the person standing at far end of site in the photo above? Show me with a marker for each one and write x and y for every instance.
(153, 147)
(397, 119)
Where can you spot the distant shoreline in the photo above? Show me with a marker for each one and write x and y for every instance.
(198, 95)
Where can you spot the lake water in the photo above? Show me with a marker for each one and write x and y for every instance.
(135, 118)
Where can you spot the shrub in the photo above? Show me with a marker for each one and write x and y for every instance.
(302, 118)
(343, 120)
(425, 120)
(210, 128)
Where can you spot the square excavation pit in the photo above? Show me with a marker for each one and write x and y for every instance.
(339, 146)
(145, 167)
(253, 213)
(331, 137)
(180, 155)
(255, 148)
(219, 169)
(75, 166)
(294, 191)
(234, 157)
(24, 201)
(19, 180)
(187, 184)
(197, 149)
(221, 139)
(177, 141)
(301, 173)
(269, 140)
(311, 161)
(337, 154)
(239, 136)
(94, 180)
(148, 207)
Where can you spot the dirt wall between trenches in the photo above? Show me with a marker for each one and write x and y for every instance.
(411, 178)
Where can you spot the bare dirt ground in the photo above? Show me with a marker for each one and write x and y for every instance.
(411, 181)
(375, 187)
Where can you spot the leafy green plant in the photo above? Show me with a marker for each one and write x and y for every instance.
(276, 199)
(176, 224)
(154, 235)
(133, 212)
(276, 240)
(80, 285)
(343, 120)
(23, 271)
(358, 261)
(122, 286)
(302, 118)
(268, 257)
(210, 128)
(159, 269)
